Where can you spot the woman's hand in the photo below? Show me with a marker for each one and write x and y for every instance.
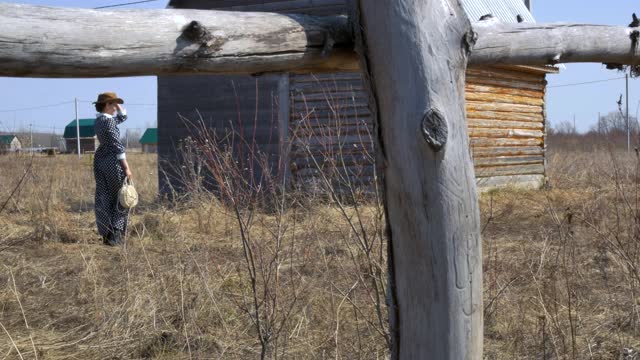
(125, 167)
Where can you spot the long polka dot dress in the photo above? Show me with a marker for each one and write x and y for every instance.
(109, 175)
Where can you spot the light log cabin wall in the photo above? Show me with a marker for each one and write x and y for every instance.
(506, 124)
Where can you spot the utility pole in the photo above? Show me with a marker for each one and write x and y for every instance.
(31, 137)
(77, 127)
(626, 80)
(574, 123)
(599, 124)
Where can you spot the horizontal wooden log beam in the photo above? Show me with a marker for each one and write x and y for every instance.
(549, 44)
(38, 41)
(503, 124)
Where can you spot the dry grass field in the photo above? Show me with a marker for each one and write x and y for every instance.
(198, 279)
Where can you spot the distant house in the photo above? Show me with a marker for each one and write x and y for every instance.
(149, 140)
(88, 138)
(9, 143)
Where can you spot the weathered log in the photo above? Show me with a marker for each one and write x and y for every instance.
(506, 151)
(506, 160)
(474, 87)
(504, 115)
(412, 57)
(540, 44)
(509, 170)
(505, 98)
(40, 41)
(484, 106)
(485, 142)
(505, 133)
(503, 124)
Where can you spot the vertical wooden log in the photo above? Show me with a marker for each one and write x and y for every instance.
(284, 109)
(415, 53)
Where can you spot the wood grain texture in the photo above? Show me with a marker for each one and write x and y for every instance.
(56, 42)
(40, 41)
(503, 124)
(505, 115)
(505, 133)
(491, 106)
(480, 88)
(332, 129)
(531, 44)
(495, 151)
(513, 98)
(412, 55)
(534, 181)
(510, 170)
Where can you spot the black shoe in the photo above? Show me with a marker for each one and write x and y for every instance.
(118, 238)
(107, 239)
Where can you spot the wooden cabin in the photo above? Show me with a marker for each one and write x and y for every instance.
(88, 139)
(307, 123)
(9, 143)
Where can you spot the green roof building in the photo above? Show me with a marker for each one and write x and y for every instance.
(87, 129)
(88, 139)
(149, 140)
(9, 143)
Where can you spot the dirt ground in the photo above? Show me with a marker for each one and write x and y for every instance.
(197, 280)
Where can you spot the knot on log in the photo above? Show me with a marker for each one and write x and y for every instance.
(195, 32)
(435, 129)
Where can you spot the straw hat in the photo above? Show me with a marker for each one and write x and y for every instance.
(108, 97)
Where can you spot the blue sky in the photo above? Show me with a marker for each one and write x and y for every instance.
(563, 103)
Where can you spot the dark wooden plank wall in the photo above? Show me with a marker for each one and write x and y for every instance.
(331, 132)
(248, 105)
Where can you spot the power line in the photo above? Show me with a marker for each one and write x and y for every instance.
(585, 83)
(36, 107)
(125, 4)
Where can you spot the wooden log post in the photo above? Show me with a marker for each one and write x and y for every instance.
(414, 54)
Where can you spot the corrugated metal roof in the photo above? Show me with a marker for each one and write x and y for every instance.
(505, 10)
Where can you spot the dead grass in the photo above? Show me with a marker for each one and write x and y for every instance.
(561, 271)
(179, 288)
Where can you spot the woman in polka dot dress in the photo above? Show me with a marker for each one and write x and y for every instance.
(110, 168)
